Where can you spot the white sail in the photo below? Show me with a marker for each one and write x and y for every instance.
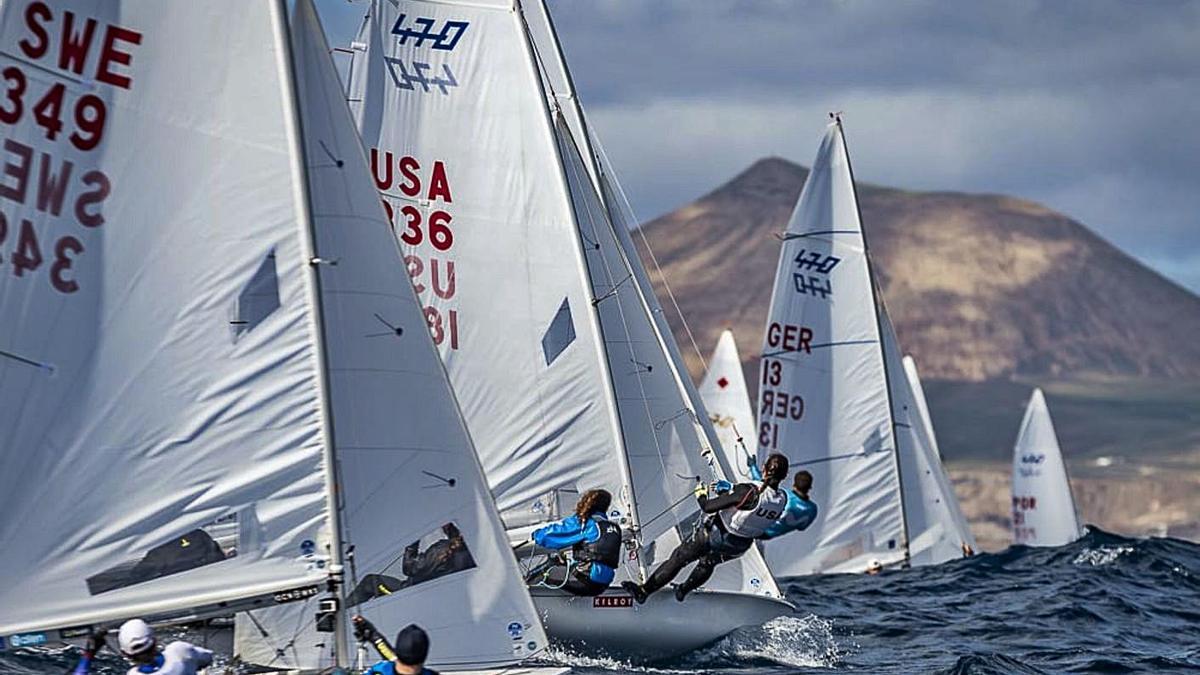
(823, 393)
(728, 403)
(957, 521)
(561, 372)
(161, 393)
(1043, 510)
(929, 501)
(748, 573)
(412, 488)
(467, 160)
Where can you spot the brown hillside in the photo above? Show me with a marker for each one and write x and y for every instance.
(979, 286)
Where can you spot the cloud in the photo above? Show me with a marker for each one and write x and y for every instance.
(1088, 106)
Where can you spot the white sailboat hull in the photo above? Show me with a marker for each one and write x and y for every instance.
(659, 629)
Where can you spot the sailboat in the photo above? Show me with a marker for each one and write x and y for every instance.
(543, 314)
(216, 377)
(727, 400)
(833, 396)
(1043, 509)
(955, 535)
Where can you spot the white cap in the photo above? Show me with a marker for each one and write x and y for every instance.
(135, 637)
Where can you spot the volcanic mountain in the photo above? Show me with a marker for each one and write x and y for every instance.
(979, 286)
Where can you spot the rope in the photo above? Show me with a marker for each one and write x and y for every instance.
(672, 506)
(564, 134)
(624, 202)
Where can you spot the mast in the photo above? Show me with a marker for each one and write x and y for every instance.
(560, 59)
(295, 132)
(581, 264)
(876, 303)
(682, 380)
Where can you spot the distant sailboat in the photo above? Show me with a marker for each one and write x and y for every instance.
(727, 400)
(1043, 510)
(834, 398)
(933, 473)
(215, 376)
(543, 313)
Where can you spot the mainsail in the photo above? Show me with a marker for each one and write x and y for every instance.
(1043, 510)
(215, 369)
(547, 328)
(933, 471)
(930, 505)
(428, 543)
(728, 403)
(824, 399)
(748, 573)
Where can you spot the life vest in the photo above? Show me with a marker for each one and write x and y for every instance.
(752, 523)
(606, 550)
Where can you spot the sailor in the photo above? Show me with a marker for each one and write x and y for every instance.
(95, 642)
(801, 511)
(408, 655)
(138, 644)
(595, 544)
(739, 517)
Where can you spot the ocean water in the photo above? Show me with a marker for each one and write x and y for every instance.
(1104, 604)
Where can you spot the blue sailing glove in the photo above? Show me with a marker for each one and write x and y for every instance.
(723, 486)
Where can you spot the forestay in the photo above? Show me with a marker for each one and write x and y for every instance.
(429, 545)
(1043, 510)
(823, 392)
(954, 520)
(728, 403)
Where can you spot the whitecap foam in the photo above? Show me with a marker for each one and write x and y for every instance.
(565, 657)
(1104, 555)
(791, 641)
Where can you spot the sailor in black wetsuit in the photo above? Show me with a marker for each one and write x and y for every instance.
(739, 517)
(595, 544)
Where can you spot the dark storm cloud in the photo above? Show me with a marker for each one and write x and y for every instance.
(1092, 108)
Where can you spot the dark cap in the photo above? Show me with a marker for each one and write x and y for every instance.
(412, 645)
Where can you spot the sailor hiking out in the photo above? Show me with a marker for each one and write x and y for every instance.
(736, 519)
(595, 544)
(800, 512)
(138, 645)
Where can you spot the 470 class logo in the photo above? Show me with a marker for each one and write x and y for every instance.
(408, 74)
(421, 29)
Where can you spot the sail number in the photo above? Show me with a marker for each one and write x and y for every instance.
(775, 404)
(789, 337)
(1022, 531)
(416, 221)
(60, 49)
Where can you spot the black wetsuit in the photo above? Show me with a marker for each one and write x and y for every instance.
(710, 546)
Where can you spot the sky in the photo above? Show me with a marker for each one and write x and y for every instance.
(1090, 107)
